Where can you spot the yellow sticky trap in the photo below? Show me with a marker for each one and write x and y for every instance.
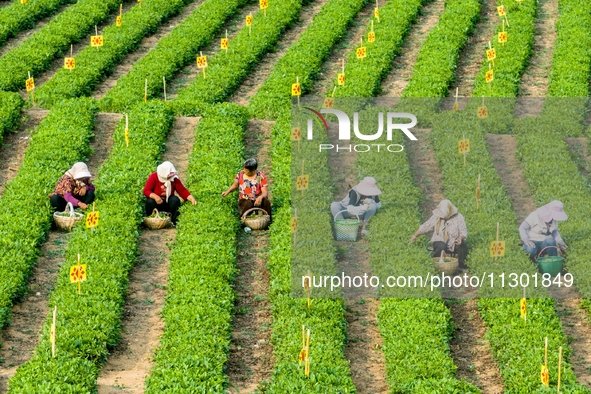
(69, 63)
(92, 219)
(464, 145)
(497, 248)
(30, 84)
(296, 134)
(302, 182)
(361, 52)
(96, 41)
(296, 89)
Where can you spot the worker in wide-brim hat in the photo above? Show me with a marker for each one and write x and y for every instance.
(449, 232)
(362, 201)
(73, 187)
(540, 229)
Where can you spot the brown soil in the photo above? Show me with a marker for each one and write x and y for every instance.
(130, 362)
(333, 64)
(145, 46)
(28, 315)
(255, 79)
(470, 351)
(17, 40)
(234, 25)
(472, 56)
(364, 343)
(251, 325)
(15, 144)
(396, 81)
(576, 327)
(20, 338)
(534, 82)
(502, 149)
(575, 322)
(58, 62)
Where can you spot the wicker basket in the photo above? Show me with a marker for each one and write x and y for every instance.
(66, 223)
(162, 220)
(446, 265)
(346, 229)
(259, 222)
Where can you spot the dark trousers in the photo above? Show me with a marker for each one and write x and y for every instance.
(245, 205)
(460, 250)
(59, 203)
(172, 207)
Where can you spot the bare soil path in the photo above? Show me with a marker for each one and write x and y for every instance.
(15, 144)
(364, 342)
(534, 82)
(251, 353)
(255, 79)
(472, 55)
(233, 25)
(575, 321)
(145, 46)
(332, 65)
(396, 81)
(20, 338)
(470, 351)
(130, 362)
(58, 62)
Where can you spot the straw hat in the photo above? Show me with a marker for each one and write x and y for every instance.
(367, 187)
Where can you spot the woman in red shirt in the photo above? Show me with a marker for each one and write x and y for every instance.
(160, 191)
(253, 188)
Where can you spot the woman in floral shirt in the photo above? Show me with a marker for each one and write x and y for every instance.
(74, 187)
(253, 190)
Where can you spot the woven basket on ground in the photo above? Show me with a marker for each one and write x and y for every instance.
(346, 229)
(446, 265)
(260, 221)
(161, 220)
(64, 222)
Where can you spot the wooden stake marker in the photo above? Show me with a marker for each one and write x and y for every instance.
(477, 194)
(456, 105)
(545, 375)
(164, 85)
(376, 11)
(52, 332)
(307, 361)
(126, 131)
(146, 91)
(559, 368)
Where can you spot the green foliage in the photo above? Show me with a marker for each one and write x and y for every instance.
(11, 105)
(364, 77)
(517, 347)
(200, 300)
(415, 331)
(93, 65)
(304, 58)
(18, 17)
(436, 64)
(37, 52)
(552, 175)
(173, 52)
(88, 325)
(226, 70)
(61, 139)
(512, 58)
(571, 58)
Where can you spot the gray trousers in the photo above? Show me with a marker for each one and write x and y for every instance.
(336, 207)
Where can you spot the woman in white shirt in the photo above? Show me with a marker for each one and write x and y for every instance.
(540, 229)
